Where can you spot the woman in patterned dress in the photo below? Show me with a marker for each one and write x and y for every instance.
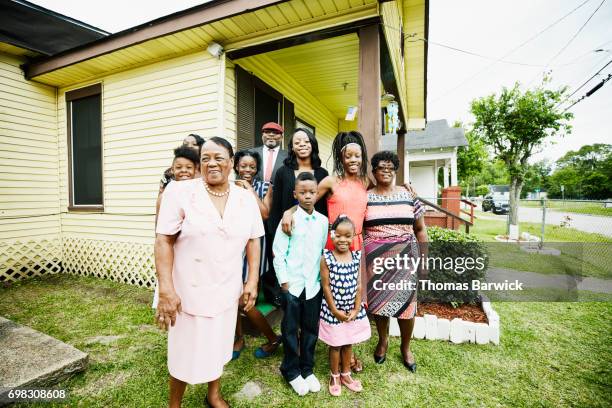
(246, 165)
(394, 225)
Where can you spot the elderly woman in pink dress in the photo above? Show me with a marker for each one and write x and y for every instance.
(203, 228)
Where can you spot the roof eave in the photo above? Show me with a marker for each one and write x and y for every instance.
(205, 13)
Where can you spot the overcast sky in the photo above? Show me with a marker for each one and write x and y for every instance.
(486, 27)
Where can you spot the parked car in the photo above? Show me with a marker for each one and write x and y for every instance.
(497, 204)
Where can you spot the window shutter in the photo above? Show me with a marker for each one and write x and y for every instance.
(245, 109)
(288, 121)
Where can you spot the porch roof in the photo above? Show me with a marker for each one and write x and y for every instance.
(234, 24)
(437, 134)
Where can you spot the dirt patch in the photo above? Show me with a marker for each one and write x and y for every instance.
(470, 313)
(110, 380)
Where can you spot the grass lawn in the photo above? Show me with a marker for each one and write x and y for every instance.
(582, 253)
(551, 355)
(572, 206)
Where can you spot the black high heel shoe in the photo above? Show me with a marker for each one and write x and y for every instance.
(380, 359)
(410, 367)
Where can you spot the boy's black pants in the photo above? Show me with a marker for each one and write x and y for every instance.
(301, 317)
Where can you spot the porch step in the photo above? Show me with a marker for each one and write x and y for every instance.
(31, 359)
(272, 314)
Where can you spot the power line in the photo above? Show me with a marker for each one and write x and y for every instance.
(512, 51)
(571, 39)
(574, 61)
(591, 92)
(576, 34)
(587, 81)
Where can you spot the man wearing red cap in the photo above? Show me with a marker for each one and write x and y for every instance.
(272, 158)
(271, 154)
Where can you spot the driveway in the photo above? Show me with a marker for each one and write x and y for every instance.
(582, 222)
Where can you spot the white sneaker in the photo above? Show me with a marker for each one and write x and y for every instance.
(313, 383)
(299, 385)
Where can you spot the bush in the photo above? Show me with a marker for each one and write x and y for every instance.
(482, 190)
(454, 246)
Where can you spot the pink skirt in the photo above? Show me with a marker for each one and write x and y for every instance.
(346, 333)
(199, 346)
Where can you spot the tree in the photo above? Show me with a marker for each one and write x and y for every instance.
(536, 177)
(568, 177)
(585, 173)
(471, 159)
(588, 157)
(494, 172)
(515, 125)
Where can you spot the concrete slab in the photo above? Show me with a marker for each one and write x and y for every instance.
(31, 359)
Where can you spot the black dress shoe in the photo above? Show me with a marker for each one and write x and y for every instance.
(411, 367)
(380, 359)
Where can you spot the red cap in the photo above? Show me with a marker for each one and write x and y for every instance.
(272, 126)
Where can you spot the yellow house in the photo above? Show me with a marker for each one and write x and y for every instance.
(86, 131)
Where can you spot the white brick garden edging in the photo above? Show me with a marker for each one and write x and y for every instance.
(430, 327)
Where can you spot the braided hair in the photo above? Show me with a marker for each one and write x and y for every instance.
(340, 141)
(342, 219)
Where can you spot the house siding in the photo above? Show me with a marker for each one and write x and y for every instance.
(146, 112)
(29, 186)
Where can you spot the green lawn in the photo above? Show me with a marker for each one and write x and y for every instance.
(582, 253)
(571, 206)
(551, 355)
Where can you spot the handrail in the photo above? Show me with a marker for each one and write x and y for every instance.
(453, 216)
(468, 202)
(471, 212)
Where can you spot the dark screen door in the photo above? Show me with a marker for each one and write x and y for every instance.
(267, 109)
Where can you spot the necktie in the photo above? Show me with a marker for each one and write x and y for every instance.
(269, 165)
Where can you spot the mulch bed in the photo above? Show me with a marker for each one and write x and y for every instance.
(470, 313)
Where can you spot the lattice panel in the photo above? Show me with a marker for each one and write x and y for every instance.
(26, 259)
(119, 261)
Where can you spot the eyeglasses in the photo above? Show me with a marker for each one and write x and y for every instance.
(385, 169)
(272, 132)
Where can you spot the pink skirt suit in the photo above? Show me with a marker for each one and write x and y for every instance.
(207, 274)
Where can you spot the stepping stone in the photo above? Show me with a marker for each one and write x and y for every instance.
(105, 340)
(249, 391)
(31, 359)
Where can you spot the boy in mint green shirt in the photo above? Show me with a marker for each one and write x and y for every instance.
(297, 264)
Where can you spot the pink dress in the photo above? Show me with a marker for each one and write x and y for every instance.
(207, 274)
(343, 279)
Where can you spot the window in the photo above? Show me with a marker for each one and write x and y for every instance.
(84, 120)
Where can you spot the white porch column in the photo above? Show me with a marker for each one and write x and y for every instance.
(454, 181)
(445, 174)
(406, 169)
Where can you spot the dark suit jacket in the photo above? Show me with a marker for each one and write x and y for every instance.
(282, 154)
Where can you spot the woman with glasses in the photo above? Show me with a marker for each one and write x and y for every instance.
(393, 226)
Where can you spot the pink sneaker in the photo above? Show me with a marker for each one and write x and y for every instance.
(350, 383)
(334, 385)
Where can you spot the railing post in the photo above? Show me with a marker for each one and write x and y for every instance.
(543, 203)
